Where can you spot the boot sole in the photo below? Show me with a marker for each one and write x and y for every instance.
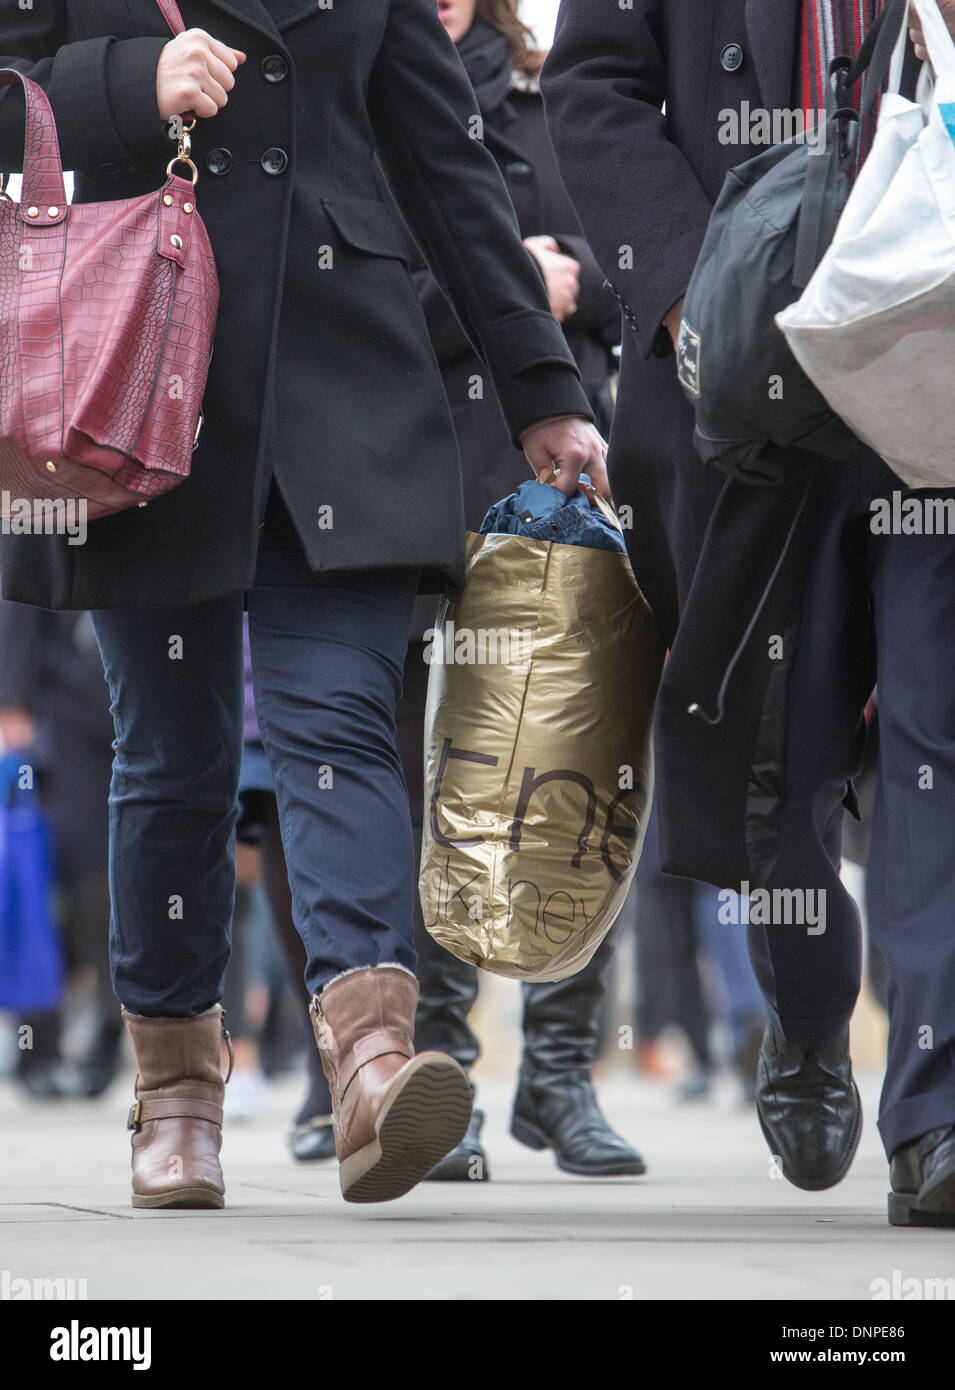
(533, 1138)
(424, 1117)
(845, 1163)
(189, 1198)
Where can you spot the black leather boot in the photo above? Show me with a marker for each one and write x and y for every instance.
(809, 1109)
(466, 1163)
(447, 990)
(923, 1181)
(104, 1059)
(312, 1136)
(313, 1140)
(556, 1105)
(39, 1068)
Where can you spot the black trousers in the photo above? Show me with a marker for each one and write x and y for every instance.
(873, 605)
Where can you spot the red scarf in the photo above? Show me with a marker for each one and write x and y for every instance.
(833, 29)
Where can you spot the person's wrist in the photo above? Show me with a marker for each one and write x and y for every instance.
(551, 420)
(672, 317)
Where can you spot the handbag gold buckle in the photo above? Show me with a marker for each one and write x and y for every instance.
(183, 152)
(182, 159)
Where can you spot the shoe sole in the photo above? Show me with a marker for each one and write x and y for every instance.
(424, 1117)
(845, 1163)
(936, 1207)
(189, 1198)
(905, 1211)
(533, 1138)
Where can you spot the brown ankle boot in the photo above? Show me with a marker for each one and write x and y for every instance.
(177, 1118)
(395, 1114)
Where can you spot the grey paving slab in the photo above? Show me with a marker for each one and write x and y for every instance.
(708, 1221)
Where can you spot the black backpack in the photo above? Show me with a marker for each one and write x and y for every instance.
(770, 227)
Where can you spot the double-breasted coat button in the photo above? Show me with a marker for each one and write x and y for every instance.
(274, 161)
(274, 68)
(519, 171)
(219, 161)
(731, 59)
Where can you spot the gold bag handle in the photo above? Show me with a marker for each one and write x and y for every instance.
(608, 509)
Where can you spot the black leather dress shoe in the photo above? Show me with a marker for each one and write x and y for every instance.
(560, 1112)
(923, 1181)
(466, 1163)
(809, 1109)
(312, 1141)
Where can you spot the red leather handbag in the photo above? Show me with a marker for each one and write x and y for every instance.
(107, 318)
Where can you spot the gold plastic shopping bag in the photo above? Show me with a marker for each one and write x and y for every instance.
(538, 757)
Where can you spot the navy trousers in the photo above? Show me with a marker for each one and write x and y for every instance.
(873, 606)
(327, 654)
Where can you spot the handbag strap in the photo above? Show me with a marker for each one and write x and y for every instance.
(43, 195)
(170, 13)
(43, 188)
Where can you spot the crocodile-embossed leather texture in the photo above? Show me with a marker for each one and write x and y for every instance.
(170, 13)
(107, 318)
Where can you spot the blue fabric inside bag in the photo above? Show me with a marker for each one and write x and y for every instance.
(543, 513)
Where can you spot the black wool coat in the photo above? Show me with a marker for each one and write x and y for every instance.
(323, 374)
(516, 135)
(635, 99)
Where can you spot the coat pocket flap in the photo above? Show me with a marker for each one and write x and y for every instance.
(368, 225)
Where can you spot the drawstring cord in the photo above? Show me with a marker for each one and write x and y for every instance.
(697, 708)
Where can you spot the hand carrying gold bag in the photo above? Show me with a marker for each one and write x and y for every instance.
(538, 755)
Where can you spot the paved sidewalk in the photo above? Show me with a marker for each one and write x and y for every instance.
(706, 1222)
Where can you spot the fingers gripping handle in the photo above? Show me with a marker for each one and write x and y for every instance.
(170, 13)
(43, 188)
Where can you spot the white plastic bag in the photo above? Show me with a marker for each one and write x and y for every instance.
(874, 329)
